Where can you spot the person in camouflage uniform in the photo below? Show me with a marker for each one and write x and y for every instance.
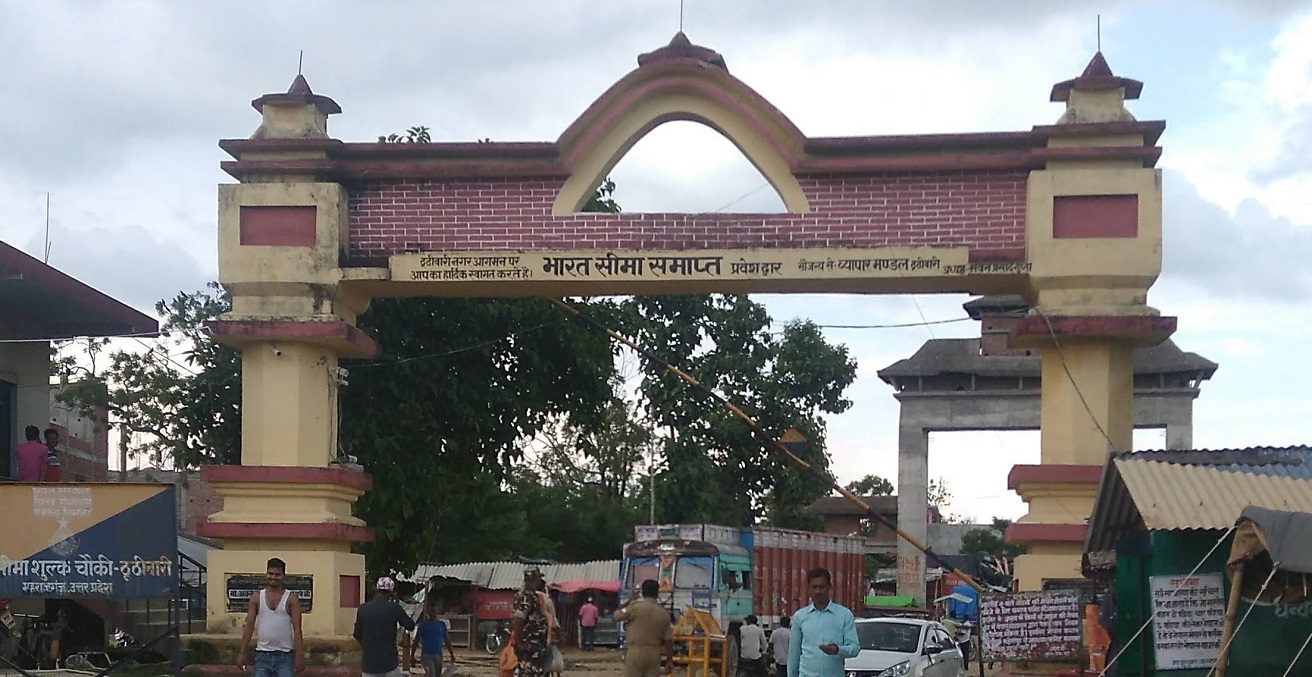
(529, 627)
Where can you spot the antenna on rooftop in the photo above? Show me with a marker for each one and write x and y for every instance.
(300, 60)
(47, 256)
(680, 16)
(1099, 24)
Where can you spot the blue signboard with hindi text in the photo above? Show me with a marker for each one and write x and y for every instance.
(81, 540)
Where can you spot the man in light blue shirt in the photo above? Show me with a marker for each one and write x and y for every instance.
(824, 633)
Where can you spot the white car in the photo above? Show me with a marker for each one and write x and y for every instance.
(904, 647)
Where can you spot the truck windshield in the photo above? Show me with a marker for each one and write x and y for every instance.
(693, 572)
(641, 571)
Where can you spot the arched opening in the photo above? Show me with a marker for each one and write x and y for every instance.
(688, 167)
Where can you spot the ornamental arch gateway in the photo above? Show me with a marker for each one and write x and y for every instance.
(1068, 215)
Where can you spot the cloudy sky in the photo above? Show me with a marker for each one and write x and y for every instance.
(115, 110)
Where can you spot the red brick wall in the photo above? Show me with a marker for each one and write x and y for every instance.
(84, 460)
(201, 502)
(983, 210)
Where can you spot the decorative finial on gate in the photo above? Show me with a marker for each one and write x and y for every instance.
(1097, 95)
(297, 114)
(681, 47)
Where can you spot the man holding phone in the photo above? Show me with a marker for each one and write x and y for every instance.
(823, 634)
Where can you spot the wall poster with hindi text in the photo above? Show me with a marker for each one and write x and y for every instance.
(1031, 626)
(1187, 628)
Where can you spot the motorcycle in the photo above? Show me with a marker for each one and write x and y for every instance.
(498, 638)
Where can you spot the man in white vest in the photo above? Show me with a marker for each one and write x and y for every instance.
(274, 613)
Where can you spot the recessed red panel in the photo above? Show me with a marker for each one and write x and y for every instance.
(1095, 216)
(349, 593)
(278, 226)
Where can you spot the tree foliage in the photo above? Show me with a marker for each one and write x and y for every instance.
(989, 542)
(182, 395)
(871, 485)
(782, 380)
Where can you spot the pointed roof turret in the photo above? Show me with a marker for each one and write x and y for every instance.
(299, 93)
(1097, 95)
(681, 47)
(297, 114)
(1096, 76)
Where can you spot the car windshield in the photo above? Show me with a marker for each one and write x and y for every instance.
(899, 637)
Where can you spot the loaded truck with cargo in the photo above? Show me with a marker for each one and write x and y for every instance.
(732, 572)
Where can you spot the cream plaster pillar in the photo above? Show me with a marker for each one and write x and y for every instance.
(1087, 397)
(281, 242)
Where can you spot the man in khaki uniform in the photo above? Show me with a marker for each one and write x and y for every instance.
(648, 635)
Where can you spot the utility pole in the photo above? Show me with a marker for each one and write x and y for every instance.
(123, 451)
(651, 482)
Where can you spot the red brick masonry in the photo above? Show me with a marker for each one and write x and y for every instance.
(984, 210)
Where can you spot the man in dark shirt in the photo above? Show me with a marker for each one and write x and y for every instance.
(375, 629)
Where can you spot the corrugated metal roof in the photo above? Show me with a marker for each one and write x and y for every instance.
(1173, 496)
(1293, 462)
(1195, 489)
(510, 575)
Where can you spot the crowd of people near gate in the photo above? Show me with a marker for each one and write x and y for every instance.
(813, 642)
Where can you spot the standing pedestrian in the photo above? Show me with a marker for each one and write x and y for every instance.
(649, 636)
(823, 634)
(531, 627)
(376, 624)
(32, 456)
(588, 614)
(779, 646)
(751, 648)
(274, 614)
(53, 471)
(556, 660)
(430, 636)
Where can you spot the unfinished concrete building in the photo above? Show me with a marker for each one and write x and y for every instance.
(983, 384)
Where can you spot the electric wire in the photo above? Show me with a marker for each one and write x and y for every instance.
(1235, 633)
(1297, 656)
(769, 440)
(1061, 356)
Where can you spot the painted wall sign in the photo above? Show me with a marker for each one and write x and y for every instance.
(240, 587)
(89, 540)
(1190, 612)
(707, 265)
(1031, 626)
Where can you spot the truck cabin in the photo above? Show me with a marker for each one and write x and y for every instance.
(711, 576)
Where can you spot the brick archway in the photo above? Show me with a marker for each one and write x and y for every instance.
(1067, 215)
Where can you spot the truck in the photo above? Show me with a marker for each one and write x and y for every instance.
(732, 572)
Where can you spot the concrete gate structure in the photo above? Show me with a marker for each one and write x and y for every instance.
(982, 383)
(1068, 215)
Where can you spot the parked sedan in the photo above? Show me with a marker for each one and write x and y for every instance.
(904, 647)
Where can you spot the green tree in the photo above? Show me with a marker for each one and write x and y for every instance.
(989, 543)
(871, 485)
(182, 393)
(716, 471)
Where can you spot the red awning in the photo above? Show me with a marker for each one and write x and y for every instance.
(576, 586)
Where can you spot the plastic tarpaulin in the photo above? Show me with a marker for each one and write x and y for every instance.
(1287, 536)
(577, 586)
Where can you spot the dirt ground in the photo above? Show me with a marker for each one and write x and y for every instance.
(599, 663)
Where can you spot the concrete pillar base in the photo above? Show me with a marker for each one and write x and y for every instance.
(314, 537)
(1060, 498)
